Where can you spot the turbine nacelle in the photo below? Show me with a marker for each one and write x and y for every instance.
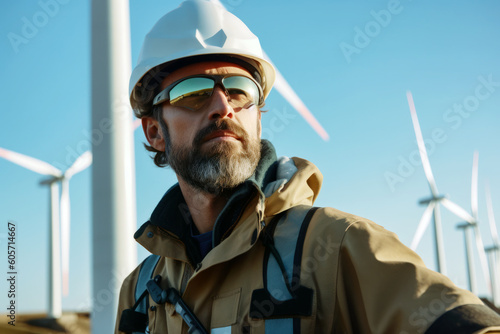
(465, 225)
(426, 201)
(491, 248)
(50, 180)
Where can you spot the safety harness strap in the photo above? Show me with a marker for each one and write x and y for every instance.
(135, 319)
(145, 274)
(286, 299)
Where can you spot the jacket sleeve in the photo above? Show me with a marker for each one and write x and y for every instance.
(127, 296)
(384, 287)
(476, 319)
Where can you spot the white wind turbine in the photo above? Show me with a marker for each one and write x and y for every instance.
(468, 228)
(493, 251)
(56, 216)
(432, 210)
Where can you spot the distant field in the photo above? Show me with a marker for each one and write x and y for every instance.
(71, 323)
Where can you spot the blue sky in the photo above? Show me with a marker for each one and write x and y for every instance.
(351, 64)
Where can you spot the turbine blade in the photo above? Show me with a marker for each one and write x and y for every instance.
(289, 94)
(491, 217)
(457, 210)
(473, 195)
(422, 225)
(421, 145)
(81, 163)
(65, 235)
(35, 165)
(482, 256)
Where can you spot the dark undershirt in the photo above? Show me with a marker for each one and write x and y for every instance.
(204, 240)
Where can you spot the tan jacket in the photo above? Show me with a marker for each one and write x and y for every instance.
(364, 279)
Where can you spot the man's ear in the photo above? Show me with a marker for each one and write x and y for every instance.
(153, 133)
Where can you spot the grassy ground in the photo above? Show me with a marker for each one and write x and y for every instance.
(71, 323)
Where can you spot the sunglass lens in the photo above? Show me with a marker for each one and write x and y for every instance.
(191, 93)
(242, 91)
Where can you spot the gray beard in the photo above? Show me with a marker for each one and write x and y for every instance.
(219, 169)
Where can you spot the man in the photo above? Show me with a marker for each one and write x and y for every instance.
(237, 247)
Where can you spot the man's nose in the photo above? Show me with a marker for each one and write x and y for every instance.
(219, 105)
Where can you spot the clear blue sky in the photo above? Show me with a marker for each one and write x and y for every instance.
(355, 86)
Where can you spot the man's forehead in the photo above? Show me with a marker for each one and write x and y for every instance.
(208, 67)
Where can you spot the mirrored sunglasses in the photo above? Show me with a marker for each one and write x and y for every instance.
(193, 92)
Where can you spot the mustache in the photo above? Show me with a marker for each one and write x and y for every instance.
(217, 126)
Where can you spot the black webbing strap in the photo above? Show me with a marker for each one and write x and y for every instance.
(135, 319)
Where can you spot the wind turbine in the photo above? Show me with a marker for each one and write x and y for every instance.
(432, 210)
(289, 94)
(59, 212)
(468, 228)
(493, 251)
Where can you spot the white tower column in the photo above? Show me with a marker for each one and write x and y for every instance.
(494, 275)
(113, 169)
(468, 237)
(54, 291)
(438, 239)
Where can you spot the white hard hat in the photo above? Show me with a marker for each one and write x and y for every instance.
(201, 28)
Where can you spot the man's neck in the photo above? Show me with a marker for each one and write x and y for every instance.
(203, 207)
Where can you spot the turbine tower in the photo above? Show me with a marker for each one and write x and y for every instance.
(469, 257)
(59, 219)
(473, 227)
(493, 251)
(80, 164)
(114, 252)
(433, 202)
